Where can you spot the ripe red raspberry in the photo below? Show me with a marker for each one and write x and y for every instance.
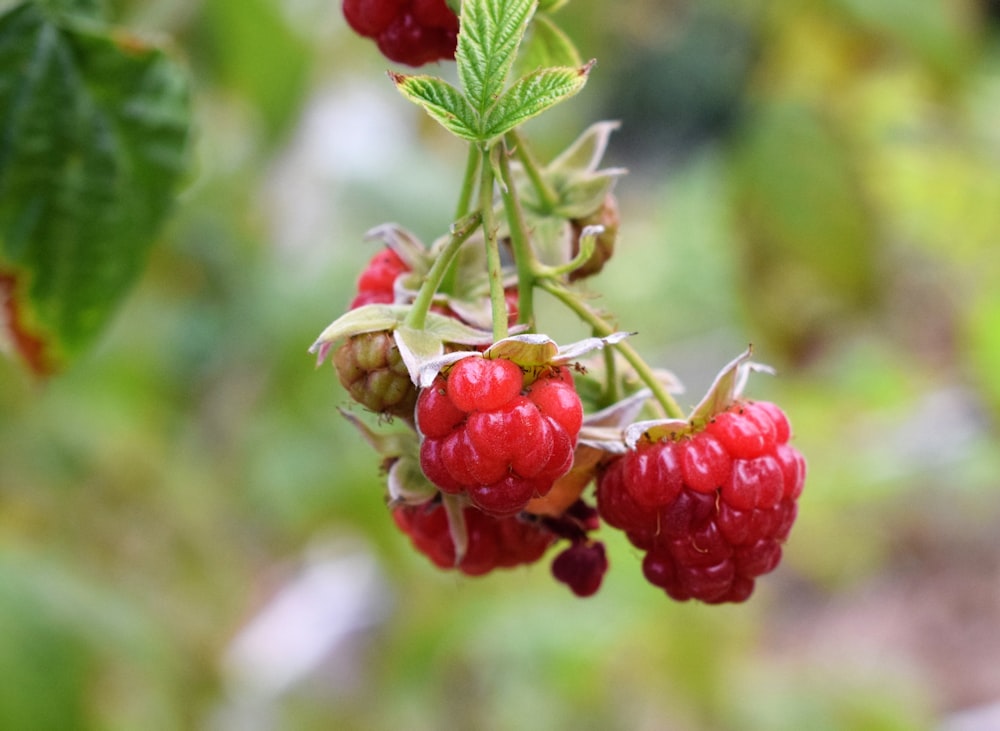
(371, 368)
(488, 436)
(413, 32)
(376, 282)
(376, 285)
(492, 542)
(711, 508)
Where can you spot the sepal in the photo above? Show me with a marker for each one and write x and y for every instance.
(531, 351)
(379, 317)
(400, 452)
(726, 389)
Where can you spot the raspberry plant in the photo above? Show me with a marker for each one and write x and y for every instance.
(500, 447)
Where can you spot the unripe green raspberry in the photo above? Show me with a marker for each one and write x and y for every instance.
(604, 244)
(371, 368)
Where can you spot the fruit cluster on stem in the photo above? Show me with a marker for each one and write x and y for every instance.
(504, 452)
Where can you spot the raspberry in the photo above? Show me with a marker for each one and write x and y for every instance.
(371, 368)
(413, 32)
(711, 508)
(371, 18)
(487, 435)
(581, 567)
(492, 542)
(376, 283)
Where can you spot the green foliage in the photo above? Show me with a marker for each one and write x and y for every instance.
(489, 37)
(95, 133)
(531, 95)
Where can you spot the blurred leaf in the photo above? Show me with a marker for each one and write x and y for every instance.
(929, 28)
(260, 56)
(95, 129)
(546, 45)
(808, 232)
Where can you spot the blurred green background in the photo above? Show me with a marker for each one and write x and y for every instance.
(191, 536)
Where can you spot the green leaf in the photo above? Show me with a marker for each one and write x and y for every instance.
(546, 45)
(490, 33)
(531, 95)
(93, 141)
(442, 101)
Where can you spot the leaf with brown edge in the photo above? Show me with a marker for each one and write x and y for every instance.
(94, 143)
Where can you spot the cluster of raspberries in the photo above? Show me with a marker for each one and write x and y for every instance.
(504, 472)
(709, 505)
(412, 32)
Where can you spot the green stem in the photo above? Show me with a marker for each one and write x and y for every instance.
(546, 195)
(462, 209)
(524, 255)
(497, 300)
(468, 183)
(602, 328)
(460, 232)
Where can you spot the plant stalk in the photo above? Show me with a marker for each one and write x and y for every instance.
(461, 231)
(524, 254)
(603, 328)
(547, 196)
(494, 266)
